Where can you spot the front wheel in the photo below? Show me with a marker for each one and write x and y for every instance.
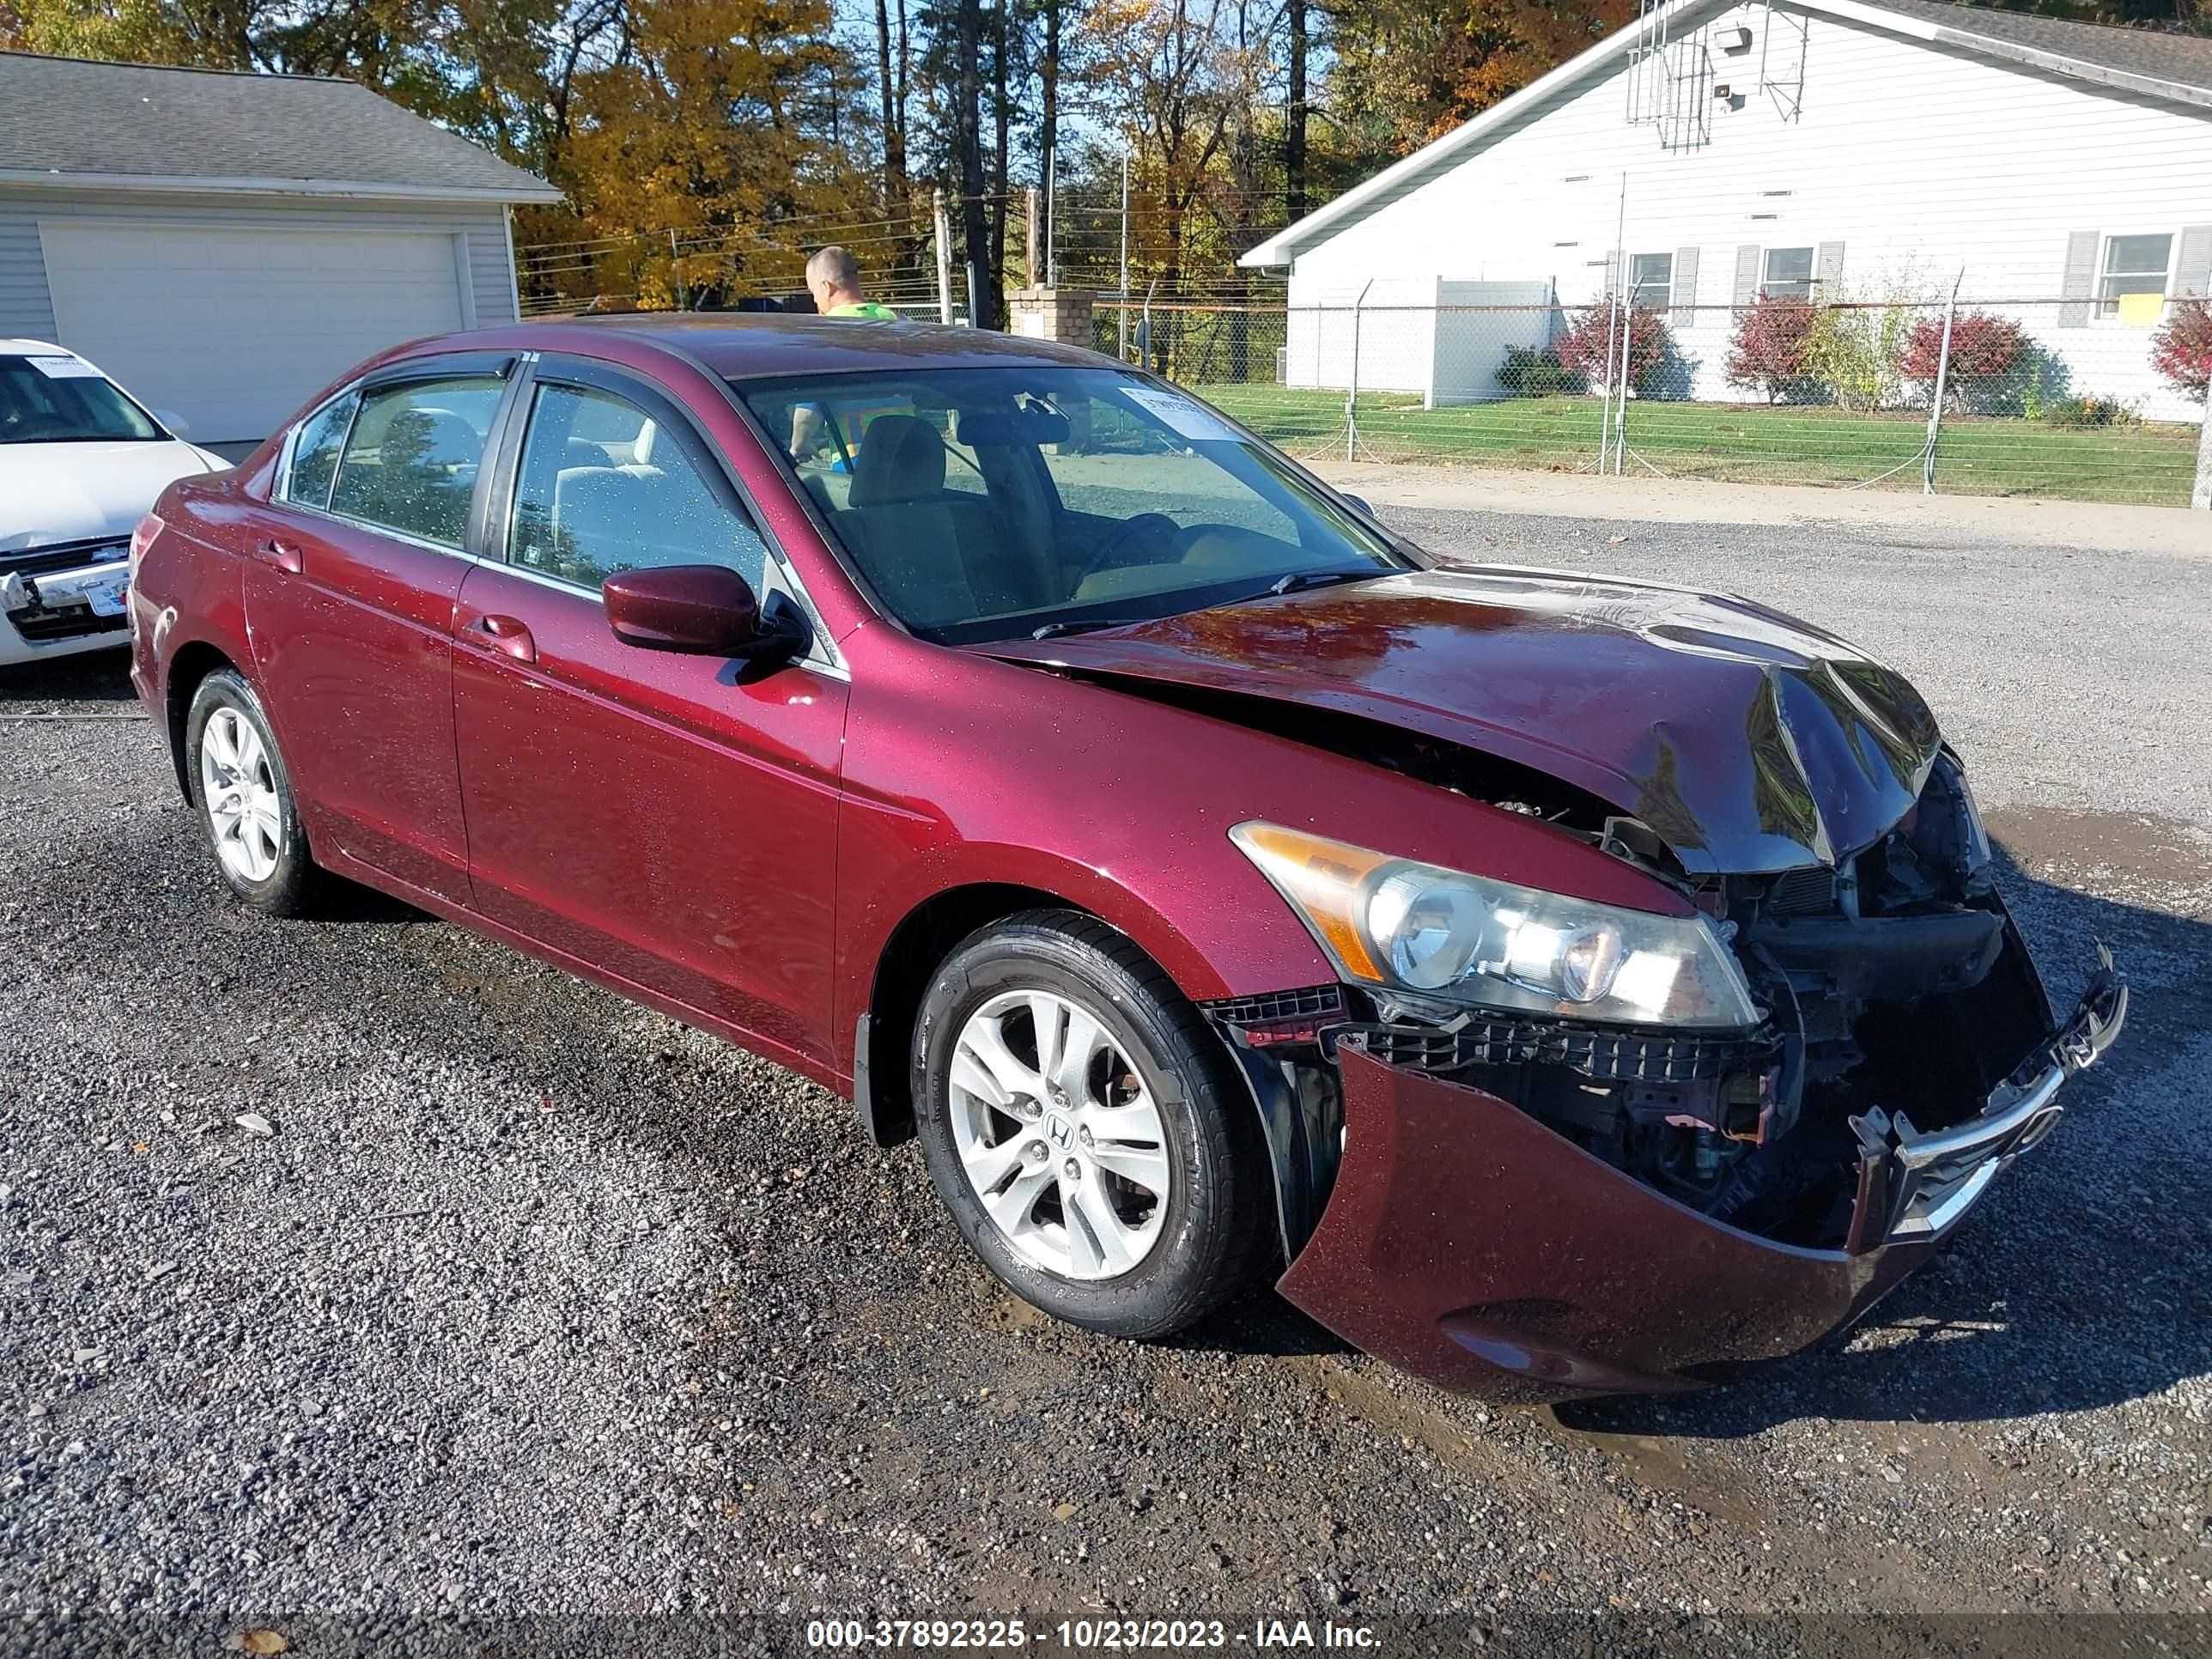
(1085, 1128)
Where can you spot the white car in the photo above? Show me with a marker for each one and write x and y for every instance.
(81, 462)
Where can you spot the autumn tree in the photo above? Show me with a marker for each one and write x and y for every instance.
(1168, 74)
(696, 128)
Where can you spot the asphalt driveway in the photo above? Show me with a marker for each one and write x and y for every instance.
(534, 1303)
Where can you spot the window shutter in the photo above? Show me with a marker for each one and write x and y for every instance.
(1828, 270)
(1686, 287)
(1747, 276)
(2192, 273)
(2081, 278)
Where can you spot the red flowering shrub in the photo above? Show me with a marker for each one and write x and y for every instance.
(1768, 352)
(2181, 350)
(1591, 346)
(1985, 350)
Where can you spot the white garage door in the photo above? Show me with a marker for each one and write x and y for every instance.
(232, 328)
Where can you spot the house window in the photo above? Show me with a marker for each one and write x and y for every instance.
(1789, 274)
(2133, 264)
(1652, 281)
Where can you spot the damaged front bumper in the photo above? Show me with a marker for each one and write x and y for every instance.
(1469, 1244)
(1916, 1186)
(68, 598)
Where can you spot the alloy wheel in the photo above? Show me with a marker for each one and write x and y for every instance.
(1058, 1135)
(239, 786)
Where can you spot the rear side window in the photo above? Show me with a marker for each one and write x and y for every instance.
(411, 461)
(603, 487)
(315, 454)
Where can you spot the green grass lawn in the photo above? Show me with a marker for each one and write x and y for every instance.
(1979, 455)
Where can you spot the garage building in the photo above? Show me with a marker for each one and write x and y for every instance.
(224, 244)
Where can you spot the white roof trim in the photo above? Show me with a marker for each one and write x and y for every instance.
(1383, 187)
(1278, 249)
(361, 190)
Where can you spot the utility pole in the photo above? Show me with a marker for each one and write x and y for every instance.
(1051, 220)
(675, 269)
(1125, 252)
(1029, 265)
(943, 258)
(1942, 390)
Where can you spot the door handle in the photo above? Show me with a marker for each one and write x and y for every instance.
(508, 635)
(284, 555)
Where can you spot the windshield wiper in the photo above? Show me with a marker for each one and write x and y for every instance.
(1299, 581)
(1054, 630)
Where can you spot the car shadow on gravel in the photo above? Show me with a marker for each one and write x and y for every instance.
(2083, 1281)
(95, 677)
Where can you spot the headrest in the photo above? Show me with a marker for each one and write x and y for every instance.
(430, 437)
(901, 458)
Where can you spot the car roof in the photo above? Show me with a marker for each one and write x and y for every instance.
(753, 346)
(32, 348)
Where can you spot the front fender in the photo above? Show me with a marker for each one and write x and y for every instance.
(1223, 933)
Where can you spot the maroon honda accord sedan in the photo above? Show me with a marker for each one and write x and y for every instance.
(1561, 984)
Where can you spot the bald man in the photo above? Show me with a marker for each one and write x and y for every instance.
(833, 277)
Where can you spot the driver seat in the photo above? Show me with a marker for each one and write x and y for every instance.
(908, 529)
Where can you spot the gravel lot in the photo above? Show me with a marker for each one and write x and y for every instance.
(535, 1303)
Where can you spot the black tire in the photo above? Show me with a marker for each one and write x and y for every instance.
(1215, 1226)
(290, 887)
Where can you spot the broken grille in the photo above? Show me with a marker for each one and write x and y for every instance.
(1593, 1051)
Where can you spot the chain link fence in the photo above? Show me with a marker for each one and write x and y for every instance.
(2070, 399)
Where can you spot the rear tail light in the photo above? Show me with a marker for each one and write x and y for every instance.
(141, 538)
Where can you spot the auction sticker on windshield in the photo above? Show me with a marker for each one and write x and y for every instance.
(1187, 419)
(64, 368)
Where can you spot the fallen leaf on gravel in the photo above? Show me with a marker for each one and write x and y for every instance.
(160, 1270)
(1616, 540)
(254, 1124)
(1061, 1513)
(257, 1641)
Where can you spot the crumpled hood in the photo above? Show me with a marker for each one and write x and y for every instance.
(1749, 742)
(73, 492)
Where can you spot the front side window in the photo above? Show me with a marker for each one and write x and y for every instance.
(1652, 281)
(1789, 274)
(2133, 264)
(603, 487)
(411, 460)
(54, 398)
(996, 503)
(315, 454)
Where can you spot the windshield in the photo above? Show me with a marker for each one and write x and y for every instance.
(997, 503)
(60, 399)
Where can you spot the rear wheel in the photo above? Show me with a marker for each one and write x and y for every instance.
(244, 797)
(1085, 1127)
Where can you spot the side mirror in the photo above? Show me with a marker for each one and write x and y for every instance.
(708, 610)
(173, 421)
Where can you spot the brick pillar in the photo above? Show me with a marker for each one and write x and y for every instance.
(1052, 314)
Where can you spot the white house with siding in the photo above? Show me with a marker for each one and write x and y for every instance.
(1843, 148)
(224, 244)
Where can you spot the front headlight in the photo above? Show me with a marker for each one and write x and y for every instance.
(1419, 927)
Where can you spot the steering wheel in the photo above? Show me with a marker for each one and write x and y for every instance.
(1154, 524)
